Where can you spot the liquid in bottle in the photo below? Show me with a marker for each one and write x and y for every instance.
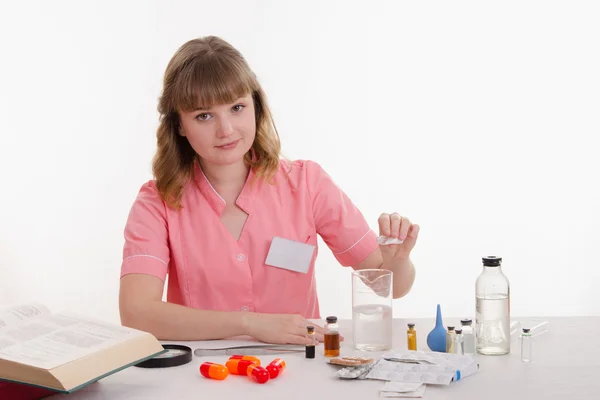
(332, 338)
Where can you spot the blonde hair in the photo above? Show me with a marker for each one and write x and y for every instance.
(207, 71)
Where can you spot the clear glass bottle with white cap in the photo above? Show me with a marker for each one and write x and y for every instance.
(492, 322)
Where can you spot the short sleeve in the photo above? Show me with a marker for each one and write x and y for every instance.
(338, 221)
(146, 248)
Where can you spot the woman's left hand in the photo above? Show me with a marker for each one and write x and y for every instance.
(395, 226)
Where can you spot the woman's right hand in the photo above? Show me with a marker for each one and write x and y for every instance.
(281, 328)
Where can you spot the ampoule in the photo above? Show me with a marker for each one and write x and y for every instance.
(310, 348)
(468, 336)
(412, 337)
(450, 340)
(458, 343)
(526, 345)
(332, 338)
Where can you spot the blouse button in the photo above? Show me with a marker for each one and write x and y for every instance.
(241, 257)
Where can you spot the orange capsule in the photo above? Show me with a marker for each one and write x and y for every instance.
(257, 373)
(237, 366)
(275, 367)
(250, 358)
(214, 371)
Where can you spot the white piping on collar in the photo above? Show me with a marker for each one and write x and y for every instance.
(211, 186)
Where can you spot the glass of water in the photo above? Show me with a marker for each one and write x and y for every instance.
(372, 294)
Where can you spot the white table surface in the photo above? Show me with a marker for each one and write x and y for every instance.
(566, 365)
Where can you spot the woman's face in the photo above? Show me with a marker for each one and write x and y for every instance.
(221, 134)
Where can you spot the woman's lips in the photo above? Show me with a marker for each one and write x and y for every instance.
(228, 146)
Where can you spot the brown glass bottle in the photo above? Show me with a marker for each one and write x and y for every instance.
(332, 338)
(310, 348)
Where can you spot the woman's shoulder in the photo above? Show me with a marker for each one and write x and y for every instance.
(148, 193)
(299, 174)
(299, 168)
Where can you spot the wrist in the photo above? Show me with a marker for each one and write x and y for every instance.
(397, 265)
(247, 322)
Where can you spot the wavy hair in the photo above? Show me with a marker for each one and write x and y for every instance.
(207, 71)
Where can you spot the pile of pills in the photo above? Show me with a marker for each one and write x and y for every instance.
(243, 365)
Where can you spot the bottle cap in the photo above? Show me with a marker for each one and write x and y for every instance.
(411, 325)
(466, 321)
(332, 319)
(459, 331)
(492, 261)
(310, 329)
(450, 328)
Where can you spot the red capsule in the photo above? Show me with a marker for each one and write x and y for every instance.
(275, 367)
(249, 358)
(214, 371)
(257, 373)
(237, 366)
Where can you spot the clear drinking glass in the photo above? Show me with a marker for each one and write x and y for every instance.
(372, 294)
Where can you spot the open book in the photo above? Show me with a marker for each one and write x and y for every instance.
(63, 352)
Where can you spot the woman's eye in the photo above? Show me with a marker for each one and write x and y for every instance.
(203, 116)
(238, 107)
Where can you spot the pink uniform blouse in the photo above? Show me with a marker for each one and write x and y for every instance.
(209, 269)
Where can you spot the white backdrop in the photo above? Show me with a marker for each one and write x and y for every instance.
(479, 121)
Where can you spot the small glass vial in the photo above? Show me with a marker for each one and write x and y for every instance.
(411, 334)
(458, 343)
(450, 340)
(468, 336)
(310, 347)
(526, 345)
(332, 338)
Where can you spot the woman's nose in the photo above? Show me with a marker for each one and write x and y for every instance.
(225, 127)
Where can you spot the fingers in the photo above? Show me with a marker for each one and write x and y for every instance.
(411, 239)
(385, 225)
(404, 227)
(304, 323)
(296, 339)
(318, 329)
(414, 231)
(320, 333)
(395, 225)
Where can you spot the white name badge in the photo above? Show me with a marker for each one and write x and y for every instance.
(290, 255)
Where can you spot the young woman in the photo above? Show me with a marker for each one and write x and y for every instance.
(232, 224)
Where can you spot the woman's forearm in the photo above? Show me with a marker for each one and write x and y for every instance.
(404, 277)
(169, 321)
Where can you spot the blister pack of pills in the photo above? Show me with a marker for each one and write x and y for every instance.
(358, 372)
(385, 240)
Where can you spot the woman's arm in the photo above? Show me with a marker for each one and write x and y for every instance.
(404, 272)
(395, 257)
(141, 307)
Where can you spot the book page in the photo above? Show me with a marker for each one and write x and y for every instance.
(12, 315)
(52, 340)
